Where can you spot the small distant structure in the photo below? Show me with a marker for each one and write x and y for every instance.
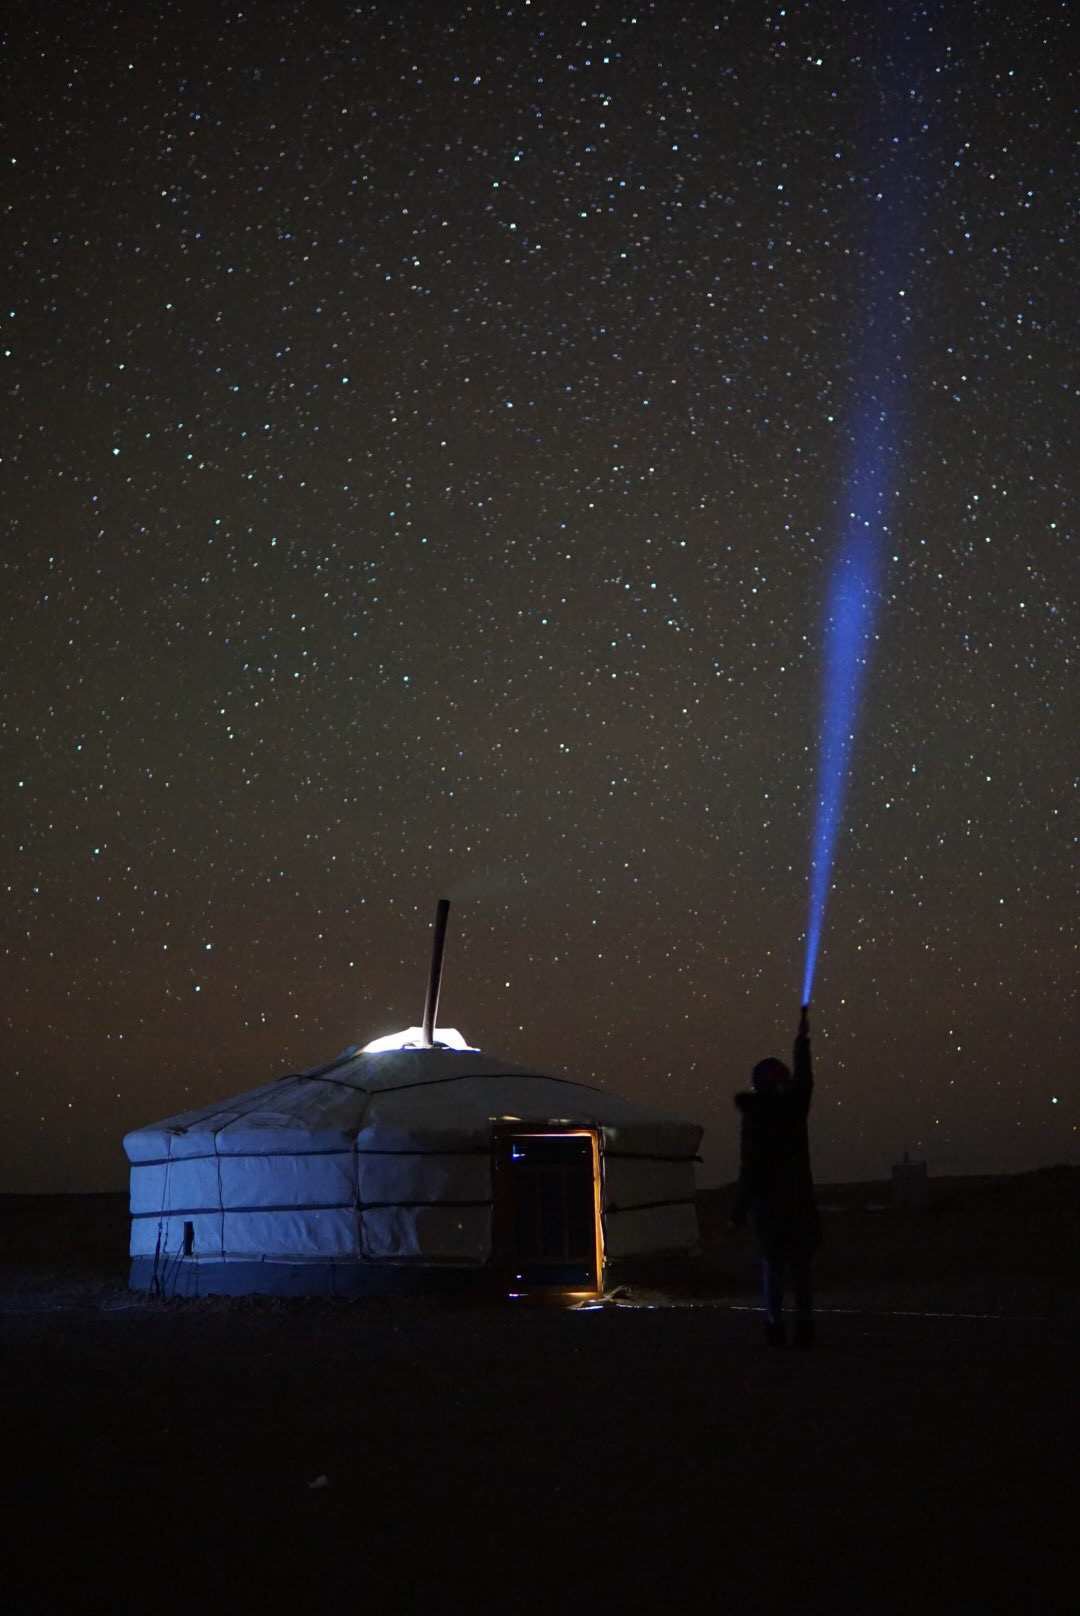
(910, 1185)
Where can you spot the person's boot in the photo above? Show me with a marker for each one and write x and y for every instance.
(804, 1332)
(775, 1334)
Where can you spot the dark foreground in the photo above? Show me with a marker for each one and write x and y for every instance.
(404, 1455)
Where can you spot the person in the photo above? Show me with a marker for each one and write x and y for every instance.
(776, 1187)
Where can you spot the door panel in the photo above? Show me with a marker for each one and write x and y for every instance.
(547, 1207)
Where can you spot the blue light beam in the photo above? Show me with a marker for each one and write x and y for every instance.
(854, 589)
(902, 57)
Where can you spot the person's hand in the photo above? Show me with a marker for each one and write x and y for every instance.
(804, 1022)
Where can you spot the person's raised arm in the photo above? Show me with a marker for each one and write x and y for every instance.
(802, 1066)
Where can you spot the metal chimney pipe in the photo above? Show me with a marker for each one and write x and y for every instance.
(431, 1008)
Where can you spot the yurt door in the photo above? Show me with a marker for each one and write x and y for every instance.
(548, 1234)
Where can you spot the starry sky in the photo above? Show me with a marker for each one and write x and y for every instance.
(426, 440)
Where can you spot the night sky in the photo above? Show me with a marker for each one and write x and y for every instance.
(425, 448)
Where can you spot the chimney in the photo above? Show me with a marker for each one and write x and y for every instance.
(431, 1007)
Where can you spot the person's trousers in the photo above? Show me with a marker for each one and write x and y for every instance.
(776, 1273)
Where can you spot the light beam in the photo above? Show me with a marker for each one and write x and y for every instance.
(849, 628)
(879, 351)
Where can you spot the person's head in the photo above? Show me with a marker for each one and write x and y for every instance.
(770, 1076)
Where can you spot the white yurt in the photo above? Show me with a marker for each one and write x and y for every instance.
(416, 1163)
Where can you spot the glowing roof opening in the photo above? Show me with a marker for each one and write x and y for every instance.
(413, 1038)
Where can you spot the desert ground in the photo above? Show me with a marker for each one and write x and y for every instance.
(649, 1454)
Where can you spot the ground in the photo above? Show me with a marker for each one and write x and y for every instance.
(413, 1455)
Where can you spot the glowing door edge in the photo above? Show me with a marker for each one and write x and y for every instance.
(510, 1132)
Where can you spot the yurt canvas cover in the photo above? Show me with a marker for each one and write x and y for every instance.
(381, 1170)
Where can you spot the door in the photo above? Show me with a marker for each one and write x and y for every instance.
(547, 1209)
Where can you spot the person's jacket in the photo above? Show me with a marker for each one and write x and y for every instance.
(776, 1186)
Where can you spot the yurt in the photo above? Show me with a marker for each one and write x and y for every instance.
(417, 1163)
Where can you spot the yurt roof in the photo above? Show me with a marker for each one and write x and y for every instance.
(404, 1099)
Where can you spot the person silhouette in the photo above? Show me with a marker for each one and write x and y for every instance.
(776, 1187)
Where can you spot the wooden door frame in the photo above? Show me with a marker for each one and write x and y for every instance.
(502, 1228)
